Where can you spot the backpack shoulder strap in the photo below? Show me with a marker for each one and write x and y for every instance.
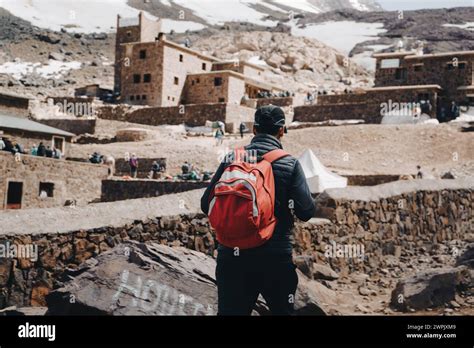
(275, 155)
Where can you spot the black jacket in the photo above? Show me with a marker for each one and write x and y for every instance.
(290, 184)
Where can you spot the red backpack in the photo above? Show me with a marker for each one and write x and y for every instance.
(242, 203)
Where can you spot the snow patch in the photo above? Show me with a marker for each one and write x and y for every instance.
(179, 26)
(467, 25)
(218, 12)
(341, 35)
(303, 5)
(54, 69)
(86, 16)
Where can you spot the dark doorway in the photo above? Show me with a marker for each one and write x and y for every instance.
(14, 195)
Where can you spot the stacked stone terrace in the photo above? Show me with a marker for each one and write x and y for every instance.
(389, 221)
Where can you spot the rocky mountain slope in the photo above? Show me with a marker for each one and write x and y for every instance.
(91, 16)
(298, 63)
(42, 62)
(440, 30)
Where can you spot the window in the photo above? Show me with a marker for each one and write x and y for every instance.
(462, 65)
(129, 33)
(181, 58)
(144, 97)
(176, 80)
(218, 81)
(137, 97)
(198, 80)
(193, 82)
(418, 67)
(172, 99)
(204, 67)
(221, 100)
(401, 74)
(450, 66)
(132, 97)
(136, 78)
(389, 63)
(147, 78)
(46, 189)
(142, 54)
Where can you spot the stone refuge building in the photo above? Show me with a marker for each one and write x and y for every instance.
(29, 133)
(39, 182)
(402, 78)
(153, 71)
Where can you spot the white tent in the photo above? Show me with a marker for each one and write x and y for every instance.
(319, 178)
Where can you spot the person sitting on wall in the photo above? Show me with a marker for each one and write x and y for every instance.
(49, 152)
(95, 158)
(2, 144)
(41, 150)
(454, 110)
(155, 170)
(34, 150)
(8, 145)
(57, 153)
(18, 148)
(186, 168)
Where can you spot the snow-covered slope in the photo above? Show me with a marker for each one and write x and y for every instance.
(100, 15)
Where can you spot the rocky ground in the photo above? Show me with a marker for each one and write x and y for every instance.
(353, 149)
(20, 42)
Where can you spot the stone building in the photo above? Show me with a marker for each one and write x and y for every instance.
(150, 70)
(29, 133)
(452, 71)
(402, 78)
(40, 182)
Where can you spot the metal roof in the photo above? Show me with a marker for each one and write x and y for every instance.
(24, 124)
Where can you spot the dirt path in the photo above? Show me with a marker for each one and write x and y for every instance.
(370, 149)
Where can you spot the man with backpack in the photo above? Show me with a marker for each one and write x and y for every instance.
(249, 203)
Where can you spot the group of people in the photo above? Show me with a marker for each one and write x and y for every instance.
(9, 146)
(36, 150)
(267, 94)
(188, 172)
(45, 151)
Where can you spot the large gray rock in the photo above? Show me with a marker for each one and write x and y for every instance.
(153, 279)
(429, 289)
(467, 257)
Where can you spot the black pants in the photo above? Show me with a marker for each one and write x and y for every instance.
(241, 279)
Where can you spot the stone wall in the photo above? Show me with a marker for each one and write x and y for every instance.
(122, 167)
(383, 223)
(72, 180)
(75, 126)
(202, 89)
(119, 190)
(390, 220)
(371, 180)
(368, 106)
(191, 115)
(282, 102)
(14, 105)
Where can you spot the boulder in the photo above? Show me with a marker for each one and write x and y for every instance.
(323, 272)
(153, 279)
(467, 257)
(23, 311)
(429, 289)
(133, 134)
